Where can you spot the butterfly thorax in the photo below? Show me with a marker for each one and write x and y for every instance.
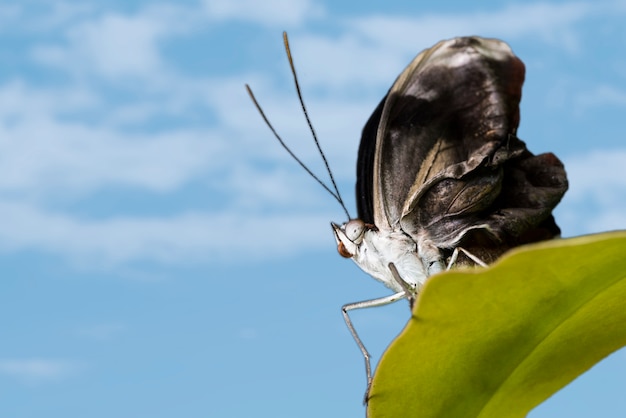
(373, 249)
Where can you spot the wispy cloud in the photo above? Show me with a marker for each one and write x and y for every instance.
(48, 157)
(115, 45)
(37, 370)
(186, 237)
(271, 13)
(597, 194)
(381, 45)
(599, 96)
(105, 117)
(552, 22)
(39, 17)
(598, 173)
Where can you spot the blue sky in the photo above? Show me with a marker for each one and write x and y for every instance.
(162, 256)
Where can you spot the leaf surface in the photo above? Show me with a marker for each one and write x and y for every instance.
(496, 342)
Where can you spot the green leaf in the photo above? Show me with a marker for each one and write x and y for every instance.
(496, 342)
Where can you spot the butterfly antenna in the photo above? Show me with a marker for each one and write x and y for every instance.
(267, 122)
(337, 195)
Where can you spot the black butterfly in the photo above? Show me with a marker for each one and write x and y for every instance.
(442, 178)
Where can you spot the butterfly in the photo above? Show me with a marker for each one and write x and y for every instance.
(440, 168)
(442, 178)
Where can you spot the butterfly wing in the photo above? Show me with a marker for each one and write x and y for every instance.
(440, 148)
(365, 167)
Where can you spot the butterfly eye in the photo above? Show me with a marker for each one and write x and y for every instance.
(354, 230)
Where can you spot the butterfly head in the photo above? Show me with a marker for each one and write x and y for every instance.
(349, 236)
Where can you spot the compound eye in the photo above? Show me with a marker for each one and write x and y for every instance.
(354, 230)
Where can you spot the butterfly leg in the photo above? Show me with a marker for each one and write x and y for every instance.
(360, 305)
(455, 255)
(410, 291)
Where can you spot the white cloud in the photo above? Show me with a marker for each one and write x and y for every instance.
(47, 155)
(112, 46)
(601, 95)
(188, 237)
(37, 370)
(372, 50)
(41, 156)
(348, 61)
(337, 120)
(115, 45)
(76, 140)
(596, 198)
(269, 12)
(41, 16)
(609, 219)
(9, 12)
(55, 14)
(550, 22)
(20, 101)
(50, 146)
(600, 174)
